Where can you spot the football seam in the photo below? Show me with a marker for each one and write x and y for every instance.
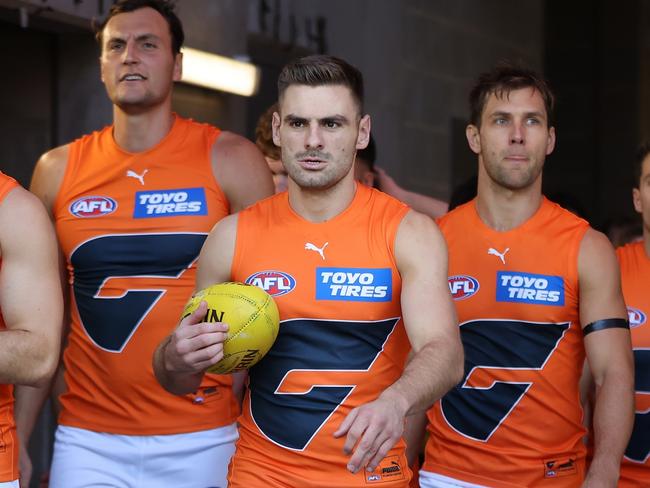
(251, 318)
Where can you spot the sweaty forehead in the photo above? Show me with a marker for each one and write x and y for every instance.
(521, 100)
(318, 101)
(142, 22)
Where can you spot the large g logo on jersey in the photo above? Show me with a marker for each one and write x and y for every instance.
(111, 321)
(501, 344)
(318, 355)
(638, 449)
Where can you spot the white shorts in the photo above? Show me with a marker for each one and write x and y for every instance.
(84, 459)
(9, 484)
(433, 480)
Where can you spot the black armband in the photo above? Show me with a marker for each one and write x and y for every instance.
(606, 324)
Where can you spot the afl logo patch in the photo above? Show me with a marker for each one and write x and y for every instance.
(462, 286)
(93, 206)
(275, 283)
(636, 317)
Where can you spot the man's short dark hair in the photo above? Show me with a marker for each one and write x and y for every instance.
(321, 70)
(163, 7)
(504, 78)
(641, 153)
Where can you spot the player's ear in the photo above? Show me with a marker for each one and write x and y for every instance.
(473, 138)
(275, 125)
(363, 136)
(636, 199)
(550, 144)
(178, 67)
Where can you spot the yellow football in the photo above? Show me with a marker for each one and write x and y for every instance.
(252, 317)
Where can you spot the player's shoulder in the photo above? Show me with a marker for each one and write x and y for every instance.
(418, 227)
(628, 250)
(20, 205)
(596, 255)
(457, 216)
(49, 172)
(7, 183)
(274, 205)
(230, 145)
(54, 159)
(595, 241)
(227, 225)
(379, 202)
(557, 214)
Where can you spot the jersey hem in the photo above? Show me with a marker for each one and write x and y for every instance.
(142, 432)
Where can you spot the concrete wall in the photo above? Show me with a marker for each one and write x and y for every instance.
(419, 59)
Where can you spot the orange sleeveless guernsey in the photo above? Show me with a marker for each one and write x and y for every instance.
(8, 438)
(635, 276)
(131, 227)
(341, 340)
(515, 420)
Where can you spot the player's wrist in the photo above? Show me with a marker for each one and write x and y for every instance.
(164, 359)
(604, 471)
(399, 402)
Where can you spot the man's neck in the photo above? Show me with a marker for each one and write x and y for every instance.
(139, 132)
(503, 209)
(646, 241)
(321, 205)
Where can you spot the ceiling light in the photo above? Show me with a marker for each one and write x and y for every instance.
(219, 72)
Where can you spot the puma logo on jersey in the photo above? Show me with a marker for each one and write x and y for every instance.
(501, 256)
(133, 174)
(320, 250)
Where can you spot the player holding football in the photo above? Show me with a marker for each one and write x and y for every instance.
(133, 204)
(32, 306)
(536, 288)
(634, 259)
(326, 406)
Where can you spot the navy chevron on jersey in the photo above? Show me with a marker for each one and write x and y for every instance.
(515, 420)
(131, 227)
(635, 279)
(341, 339)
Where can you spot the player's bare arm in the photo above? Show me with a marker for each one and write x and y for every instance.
(425, 204)
(48, 176)
(30, 293)
(437, 362)
(609, 353)
(241, 170)
(29, 254)
(181, 359)
(45, 184)
(414, 430)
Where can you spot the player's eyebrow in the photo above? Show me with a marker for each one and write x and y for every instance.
(294, 118)
(338, 118)
(507, 115)
(139, 38)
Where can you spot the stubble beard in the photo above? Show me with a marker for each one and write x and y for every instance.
(514, 179)
(321, 179)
